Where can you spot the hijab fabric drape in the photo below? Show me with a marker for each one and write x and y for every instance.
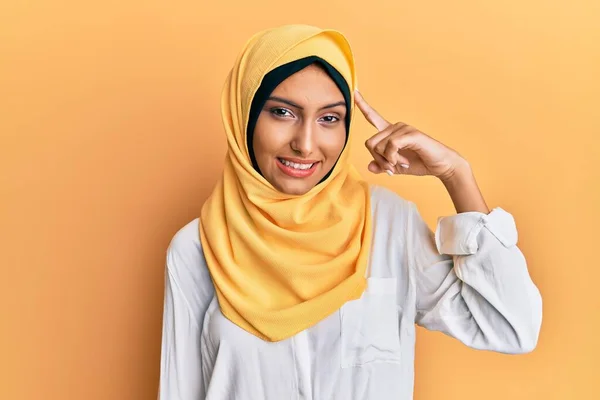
(280, 263)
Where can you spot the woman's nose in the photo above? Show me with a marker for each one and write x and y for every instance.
(304, 139)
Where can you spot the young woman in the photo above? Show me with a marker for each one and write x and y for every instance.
(300, 280)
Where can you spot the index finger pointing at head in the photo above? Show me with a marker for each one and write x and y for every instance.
(369, 112)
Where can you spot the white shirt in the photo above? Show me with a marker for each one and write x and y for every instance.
(468, 280)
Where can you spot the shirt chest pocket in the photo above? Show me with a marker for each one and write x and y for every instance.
(370, 326)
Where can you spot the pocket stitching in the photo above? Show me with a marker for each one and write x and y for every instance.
(349, 361)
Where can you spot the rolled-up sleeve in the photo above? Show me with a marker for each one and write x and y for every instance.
(472, 281)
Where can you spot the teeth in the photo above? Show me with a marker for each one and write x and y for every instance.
(296, 165)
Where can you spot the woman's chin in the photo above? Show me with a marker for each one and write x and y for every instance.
(297, 188)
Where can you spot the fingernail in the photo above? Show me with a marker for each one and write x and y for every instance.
(404, 166)
(390, 173)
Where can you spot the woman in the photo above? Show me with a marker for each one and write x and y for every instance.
(301, 281)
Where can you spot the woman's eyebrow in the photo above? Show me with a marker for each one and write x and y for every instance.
(291, 103)
(339, 103)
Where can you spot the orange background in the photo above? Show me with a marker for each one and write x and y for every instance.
(111, 139)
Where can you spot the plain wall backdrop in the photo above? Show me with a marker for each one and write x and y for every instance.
(111, 139)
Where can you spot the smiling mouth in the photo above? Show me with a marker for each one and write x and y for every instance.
(296, 170)
(302, 166)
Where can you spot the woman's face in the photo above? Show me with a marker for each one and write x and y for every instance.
(300, 132)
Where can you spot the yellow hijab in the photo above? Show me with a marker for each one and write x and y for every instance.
(281, 263)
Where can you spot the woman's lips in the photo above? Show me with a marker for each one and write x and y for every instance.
(296, 173)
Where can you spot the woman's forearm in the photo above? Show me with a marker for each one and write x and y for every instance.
(463, 190)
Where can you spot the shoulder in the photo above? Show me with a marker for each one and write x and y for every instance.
(391, 217)
(387, 204)
(186, 264)
(186, 240)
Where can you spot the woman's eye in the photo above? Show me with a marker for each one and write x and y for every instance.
(281, 112)
(330, 119)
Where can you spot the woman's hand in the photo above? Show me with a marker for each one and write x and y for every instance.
(402, 149)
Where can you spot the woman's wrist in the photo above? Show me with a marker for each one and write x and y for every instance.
(463, 189)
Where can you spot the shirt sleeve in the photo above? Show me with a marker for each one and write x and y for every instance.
(187, 295)
(180, 366)
(472, 281)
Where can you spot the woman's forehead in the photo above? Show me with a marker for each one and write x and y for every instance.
(312, 83)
